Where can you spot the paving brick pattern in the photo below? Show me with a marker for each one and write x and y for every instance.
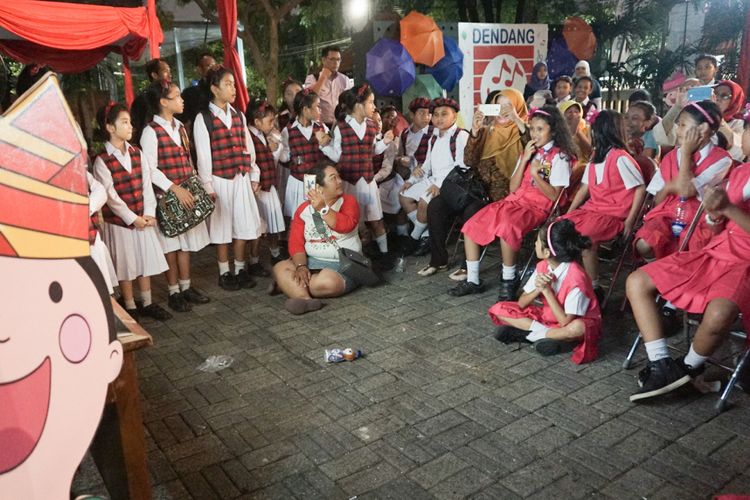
(436, 409)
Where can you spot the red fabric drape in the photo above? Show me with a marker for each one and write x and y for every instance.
(127, 76)
(744, 69)
(74, 37)
(155, 35)
(227, 10)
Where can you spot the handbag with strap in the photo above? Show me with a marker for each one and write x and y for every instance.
(352, 264)
(174, 219)
(461, 187)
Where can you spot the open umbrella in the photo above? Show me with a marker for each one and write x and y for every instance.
(390, 69)
(560, 60)
(579, 38)
(424, 86)
(449, 70)
(422, 38)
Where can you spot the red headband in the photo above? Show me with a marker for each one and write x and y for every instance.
(549, 240)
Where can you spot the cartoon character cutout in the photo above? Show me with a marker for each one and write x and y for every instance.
(58, 347)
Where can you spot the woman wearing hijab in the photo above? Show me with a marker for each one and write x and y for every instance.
(731, 101)
(579, 129)
(583, 69)
(539, 80)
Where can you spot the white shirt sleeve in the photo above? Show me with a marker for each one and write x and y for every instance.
(149, 199)
(530, 285)
(250, 149)
(114, 202)
(585, 178)
(738, 127)
(203, 152)
(97, 194)
(149, 146)
(712, 173)
(427, 165)
(379, 146)
(559, 174)
(576, 303)
(657, 183)
(284, 148)
(388, 158)
(629, 173)
(461, 140)
(333, 149)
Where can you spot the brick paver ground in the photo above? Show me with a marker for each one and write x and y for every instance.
(436, 409)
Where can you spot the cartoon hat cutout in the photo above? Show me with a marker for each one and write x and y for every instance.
(43, 189)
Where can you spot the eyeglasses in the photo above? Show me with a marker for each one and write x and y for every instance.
(334, 59)
(724, 97)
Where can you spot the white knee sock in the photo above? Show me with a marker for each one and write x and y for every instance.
(146, 297)
(509, 272)
(173, 289)
(382, 242)
(402, 229)
(412, 216)
(184, 285)
(275, 251)
(472, 271)
(419, 228)
(239, 265)
(223, 267)
(657, 349)
(130, 304)
(694, 359)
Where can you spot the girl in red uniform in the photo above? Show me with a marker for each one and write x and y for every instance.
(541, 173)
(714, 281)
(613, 184)
(129, 216)
(261, 117)
(694, 163)
(569, 315)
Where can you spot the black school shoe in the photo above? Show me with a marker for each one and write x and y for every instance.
(244, 280)
(551, 347)
(508, 334)
(228, 281)
(466, 288)
(195, 297)
(177, 302)
(258, 270)
(423, 248)
(154, 310)
(508, 290)
(662, 376)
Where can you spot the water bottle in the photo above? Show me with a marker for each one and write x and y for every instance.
(339, 355)
(400, 265)
(680, 218)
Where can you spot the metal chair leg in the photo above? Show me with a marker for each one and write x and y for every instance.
(631, 354)
(615, 275)
(723, 403)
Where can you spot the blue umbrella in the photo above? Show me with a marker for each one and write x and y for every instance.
(390, 68)
(449, 70)
(560, 60)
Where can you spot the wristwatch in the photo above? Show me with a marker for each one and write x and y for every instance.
(324, 210)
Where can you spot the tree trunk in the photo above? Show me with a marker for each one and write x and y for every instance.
(473, 12)
(487, 8)
(520, 11)
(463, 13)
(272, 71)
(498, 11)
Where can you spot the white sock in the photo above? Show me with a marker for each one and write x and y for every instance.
(657, 349)
(382, 242)
(595, 283)
(254, 260)
(669, 305)
(509, 272)
(130, 304)
(426, 233)
(693, 359)
(275, 251)
(537, 335)
(146, 297)
(173, 289)
(184, 284)
(419, 228)
(402, 229)
(412, 216)
(472, 271)
(239, 265)
(223, 267)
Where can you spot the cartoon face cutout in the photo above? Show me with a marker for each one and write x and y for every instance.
(56, 361)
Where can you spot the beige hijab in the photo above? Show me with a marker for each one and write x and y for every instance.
(503, 142)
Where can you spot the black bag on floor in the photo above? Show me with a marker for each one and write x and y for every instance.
(462, 187)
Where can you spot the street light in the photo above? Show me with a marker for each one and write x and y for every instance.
(356, 13)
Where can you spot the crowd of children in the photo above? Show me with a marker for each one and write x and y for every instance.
(574, 175)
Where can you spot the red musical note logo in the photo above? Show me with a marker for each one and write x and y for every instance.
(506, 75)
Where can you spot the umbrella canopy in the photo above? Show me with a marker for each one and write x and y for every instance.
(560, 60)
(422, 38)
(579, 37)
(424, 86)
(449, 70)
(390, 68)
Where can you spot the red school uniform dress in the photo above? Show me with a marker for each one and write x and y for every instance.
(721, 269)
(575, 293)
(657, 226)
(524, 209)
(611, 191)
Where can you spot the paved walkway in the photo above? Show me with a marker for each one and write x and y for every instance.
(436, 409)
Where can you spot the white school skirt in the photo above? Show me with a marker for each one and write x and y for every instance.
(282, 178)
(100, 254)
(270, 210)
(135, 252)
(368, 197)
(389, 194)
(294, 197)
(418, 190)
(236, 216)
(192, 240)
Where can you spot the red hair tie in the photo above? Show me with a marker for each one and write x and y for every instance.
(307, 91)
(108, 108)
(262, 107)
(34, 69)
(362, 89)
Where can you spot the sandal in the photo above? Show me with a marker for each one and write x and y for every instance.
(458, 275)
(430, 270)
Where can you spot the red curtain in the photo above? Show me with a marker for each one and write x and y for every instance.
(227, 10)
(744, 69)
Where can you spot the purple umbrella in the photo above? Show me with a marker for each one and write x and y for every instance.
(390, 68)
(449, 70)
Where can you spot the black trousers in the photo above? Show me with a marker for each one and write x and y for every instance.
(440, 217)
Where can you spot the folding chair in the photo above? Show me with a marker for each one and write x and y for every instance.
(553, 214)
(456, 227)
(723, 403)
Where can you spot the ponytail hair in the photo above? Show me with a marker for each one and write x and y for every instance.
(213, 77)
(155, 92)
(349, 99)
(706, 112)
(560, 133)
(305, 98)
(107, 115)
(607, 132)
(259, 109)
(567, 243)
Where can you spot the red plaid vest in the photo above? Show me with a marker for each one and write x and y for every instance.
(174, 161)
(303, 154)
(129, 185)
(452, 143)
(265, 162)
(228, 154)
(356, 154)
(421, 152)
(93, 227)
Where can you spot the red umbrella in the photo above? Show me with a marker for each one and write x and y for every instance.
(422, 38)
(580, 38)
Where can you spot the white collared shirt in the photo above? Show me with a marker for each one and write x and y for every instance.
(629, 173)
(705, 178)
(333, 149)
(413, 139)
(439, 161)
(260, 135)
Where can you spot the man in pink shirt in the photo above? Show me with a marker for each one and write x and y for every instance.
(329, 83)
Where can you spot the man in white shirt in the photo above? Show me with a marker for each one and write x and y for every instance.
(329, 84)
